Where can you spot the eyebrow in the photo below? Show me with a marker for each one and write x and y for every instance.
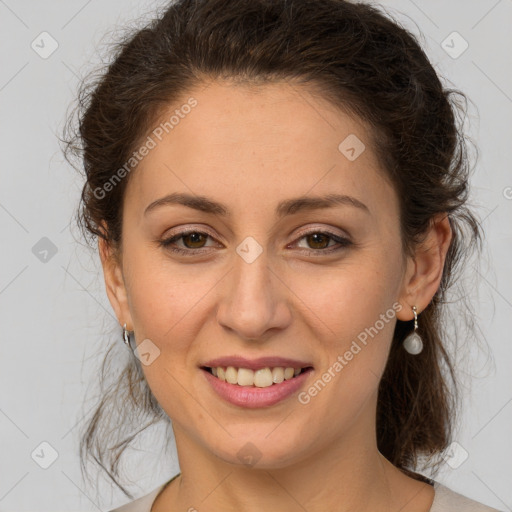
(284, 208)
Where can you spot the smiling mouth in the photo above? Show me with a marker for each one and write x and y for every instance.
(262, 378)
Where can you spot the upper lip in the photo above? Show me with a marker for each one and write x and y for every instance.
(256, 364)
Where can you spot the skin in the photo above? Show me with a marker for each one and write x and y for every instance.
(250, 148)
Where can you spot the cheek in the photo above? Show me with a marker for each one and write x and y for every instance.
(166, 303)
(354, 309)
(357, 320)
(164, 296)
(345, 300)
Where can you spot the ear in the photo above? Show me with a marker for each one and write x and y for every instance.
(425, 269)
(114, 282)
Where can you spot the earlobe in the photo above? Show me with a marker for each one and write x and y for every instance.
(114, 283)
(425, 270)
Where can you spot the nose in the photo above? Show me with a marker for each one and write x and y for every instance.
(254, 300)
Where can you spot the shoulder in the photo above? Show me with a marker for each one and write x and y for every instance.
(446, 500)
(141, 504)
(144, 503)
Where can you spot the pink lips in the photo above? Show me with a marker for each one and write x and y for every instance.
(253, 397)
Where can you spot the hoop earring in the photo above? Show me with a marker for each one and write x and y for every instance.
(126, 337)
(413, 342)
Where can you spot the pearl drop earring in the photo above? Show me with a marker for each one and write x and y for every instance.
(413, 342)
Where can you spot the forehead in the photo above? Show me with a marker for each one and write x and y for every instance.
(255, 142)
(280, 115)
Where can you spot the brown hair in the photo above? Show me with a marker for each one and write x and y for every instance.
(363, 61)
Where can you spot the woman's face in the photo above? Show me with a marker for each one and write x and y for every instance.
(262, 276)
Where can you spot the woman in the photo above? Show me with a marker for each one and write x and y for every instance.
(278, 189)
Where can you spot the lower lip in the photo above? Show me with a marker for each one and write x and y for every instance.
(253, 397)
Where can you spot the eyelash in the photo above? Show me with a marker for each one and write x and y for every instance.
(342, 241)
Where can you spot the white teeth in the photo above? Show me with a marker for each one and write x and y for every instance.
(245, 377)
(288, 373)
(262, 378)
(231, 375)
(278, 375)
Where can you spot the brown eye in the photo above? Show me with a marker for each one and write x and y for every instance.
(194, 240)
(189, 242)
(318, 240)
(319, 243)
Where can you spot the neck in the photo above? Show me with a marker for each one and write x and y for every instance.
(345, 475)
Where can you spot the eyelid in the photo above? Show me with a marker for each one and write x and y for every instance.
(300, 234)
(190, 229)
(322, 229)
(168, 241)
(342, 241)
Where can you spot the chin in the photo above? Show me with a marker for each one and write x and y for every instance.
(260, 452)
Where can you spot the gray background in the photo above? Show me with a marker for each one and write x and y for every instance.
(54, 315)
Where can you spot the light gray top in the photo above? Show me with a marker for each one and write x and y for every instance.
(445, 500)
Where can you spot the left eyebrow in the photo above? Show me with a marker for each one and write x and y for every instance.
(291, 206)
(284, 208)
